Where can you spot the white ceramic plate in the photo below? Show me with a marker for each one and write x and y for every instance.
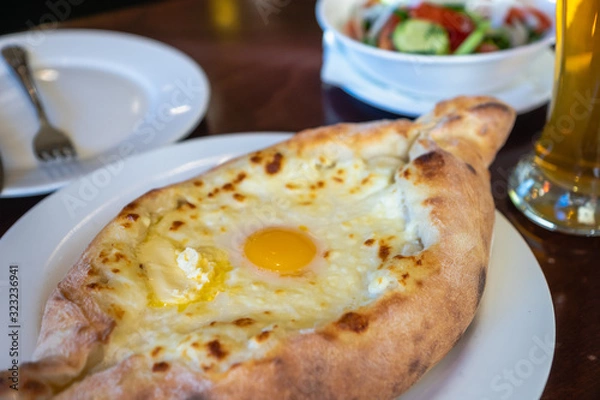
(529, 90)
(507, 351)
(115, 94)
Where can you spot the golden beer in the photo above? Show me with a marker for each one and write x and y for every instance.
(558, 186)
(569, 149)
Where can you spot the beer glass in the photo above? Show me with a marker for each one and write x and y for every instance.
(558, 186)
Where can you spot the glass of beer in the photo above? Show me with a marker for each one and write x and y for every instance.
(558, 185)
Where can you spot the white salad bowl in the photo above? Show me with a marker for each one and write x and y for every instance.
(433, 75)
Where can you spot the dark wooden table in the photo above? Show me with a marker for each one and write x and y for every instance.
(263, 57)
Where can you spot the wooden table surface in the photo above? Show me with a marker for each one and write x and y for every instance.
(263, 57)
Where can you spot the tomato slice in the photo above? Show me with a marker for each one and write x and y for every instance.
(385, 36)
(486, 48)
(543, 21)
(458, 25)
(515, 14)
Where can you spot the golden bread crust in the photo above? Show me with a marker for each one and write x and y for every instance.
(373, 352)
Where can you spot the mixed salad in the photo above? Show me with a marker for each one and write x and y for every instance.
(436, 29)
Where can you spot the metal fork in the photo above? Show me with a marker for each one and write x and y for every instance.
(49, 142)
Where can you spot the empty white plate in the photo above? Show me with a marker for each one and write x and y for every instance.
(115, 94)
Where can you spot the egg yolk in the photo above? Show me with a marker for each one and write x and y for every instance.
(280, 250)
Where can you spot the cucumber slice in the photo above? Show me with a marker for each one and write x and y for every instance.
(421, 37)
(473, 40)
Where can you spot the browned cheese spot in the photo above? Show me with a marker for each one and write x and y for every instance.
(261, 337)
(198, 183)
(244, 322)
(328, 335)
(256, 158)
(162, 366)
(228, 187)
(239, 197)
(398, 257)
(213, 323)
(430, 164)
(131, 206)
(156, 351)
(214, 192)
(126, 225)
(338, 179)
(369, 242)
(240, 177)
(406, 174)
(384, 251)
(419, 261)
(326, 254)
(93, 285)
(405, 275)
(291, 186)
(206, 368)
(195, 345)
(320, 184)
(216, 350)
(267, 312)
(132, 217)
(115, 270)
(275, 165)
(141, 266)
(119, 256)
(354, 322)
(176, 225)
(184, 203)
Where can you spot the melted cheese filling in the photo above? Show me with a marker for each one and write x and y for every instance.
(228, 264)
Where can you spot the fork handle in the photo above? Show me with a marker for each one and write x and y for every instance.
(16, 57)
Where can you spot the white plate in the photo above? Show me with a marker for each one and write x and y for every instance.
(505, 353)
(531, 89)
(115, 94)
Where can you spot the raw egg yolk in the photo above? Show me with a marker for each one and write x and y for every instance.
(280, 250)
